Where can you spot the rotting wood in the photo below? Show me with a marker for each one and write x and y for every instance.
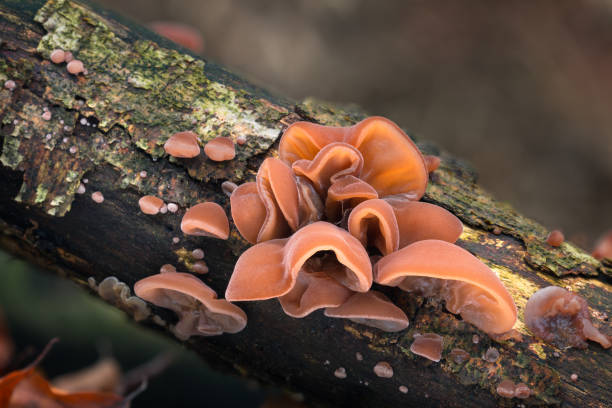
(139, 90)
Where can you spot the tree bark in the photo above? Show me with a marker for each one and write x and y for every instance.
(109, 125)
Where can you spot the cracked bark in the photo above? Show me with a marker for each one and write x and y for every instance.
(140, 89)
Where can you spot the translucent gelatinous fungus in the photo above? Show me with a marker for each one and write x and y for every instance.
(200, 312)
(206, 219)
(274, 265)
(183, 145)
(167, 268)
(97, 197)
(172, 207)
(428, 345)
(75, 67)
(374, 224)
(468, 286)
(371, 309)
(555, 238)
(491, 355)
(197, 253)
(220, 149)
(459, 356)
(506, 389)
(249, 212)
(382, 144)
(150, 204)
(383, 369)
(58, 56)
(562, 318)
(603, 248)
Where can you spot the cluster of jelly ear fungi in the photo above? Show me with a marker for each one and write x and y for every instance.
(339, 210)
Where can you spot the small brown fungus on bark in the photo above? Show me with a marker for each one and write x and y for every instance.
(428, 345)
(200, 267)
(228, 187)
(521, 390)
(383, 369)
(75, 67)
(183, 145)
(403, 389)
(432, 163)
(197, 253)
(220, 149)
(506, 389)
(150, 204)
(555, 238)
(167, 268)
(206, 219)
(562, 318)
(459, 356)
(58, 56)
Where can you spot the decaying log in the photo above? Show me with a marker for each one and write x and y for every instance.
(109, 126)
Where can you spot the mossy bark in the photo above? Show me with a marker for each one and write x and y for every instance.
(139, 89)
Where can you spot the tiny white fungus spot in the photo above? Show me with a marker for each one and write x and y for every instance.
(10, 85)
(340, 373)
(83, 121)
(197, 253)
(81, 189)
(403, 389)
(359, 356)
(175, 240)
(97, 197)
(172, 207)
(143, 174)
(73, 149)
(163, 209)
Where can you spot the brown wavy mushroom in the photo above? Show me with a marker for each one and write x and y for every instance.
(332, 161)
(270, 269)
(345, 193)
(558, 316)
(200, 312)
(278, 189)
(371, 309)
(313, 291)
(392, 163)
(311, 208)
(467, 285)
(418, 221)
(249, 213)
(183, 145)
(206, 219)
(373, 223)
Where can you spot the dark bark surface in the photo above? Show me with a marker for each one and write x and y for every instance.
(140, 89)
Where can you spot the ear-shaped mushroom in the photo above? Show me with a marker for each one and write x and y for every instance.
(332, 161)
(183, 145)
(346, 192)
(278, 191)
(270, 269)
(200, 312)
(220, 149)
(373, 222)
(312, 291)
(392, 162)
(249, 213)
(470, 289)
(428, 345)
(418, 221)
(206, 219)
(371, 309)
(311, 207)
(557, 316)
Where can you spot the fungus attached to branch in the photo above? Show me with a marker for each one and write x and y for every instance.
(150, 204)
(371, 309)
(603, 248)
(220, 149)
(345, 193)
(200, 312)
(249, 212)
(392, 163)
(428, 345)
(562, 318)
(270, 269)
(468, 286)
(555, 238)
(206, 219)
(183, 145)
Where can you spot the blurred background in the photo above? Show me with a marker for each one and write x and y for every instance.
(522, 90)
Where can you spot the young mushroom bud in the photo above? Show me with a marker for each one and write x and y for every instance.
(183, 145)
(562, 318)
(206, 219)
(428, 345)
(220, 149)
(150, 204)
